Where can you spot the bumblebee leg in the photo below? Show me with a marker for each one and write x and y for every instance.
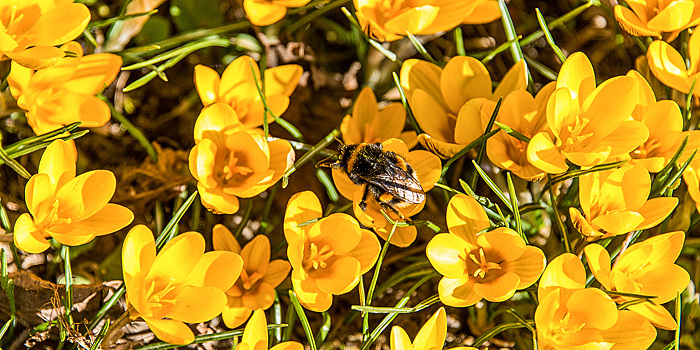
(363, 202)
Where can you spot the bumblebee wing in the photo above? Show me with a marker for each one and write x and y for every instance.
(399, 183)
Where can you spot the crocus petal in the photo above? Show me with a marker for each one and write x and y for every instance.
(111, 218)
(447, 254)
(216, 117)
(419, 74)
(457, 292)
(186, 249)
(138, 253)
(599, 262)
(262, 13)
(219, 269)
(197, 304)
(366, 251)
(564, 271)
(71, 239)
(310, 296)
(27, 237)
(663, 281)
(432, 117)
(39, 57)
(464, 78)
(656, 314)
(256, 254)
(399, 339)
(282, 80)
(58, 162)
(577, 74)
(442, 149)
(170, 331)
(337, 276)
(217, 201)
(432, 334)
(632, 24)
(515, 79)
(93, 73)
(38, 194)
(84, 195)
(542, 153)
(618, 223)
(223, 239)
(674, 16)
(668, 65)
(469, 127)
(466, 218)
(288, 345)
(503, 243)
(324, 232)
(484, 12)
(59, 25)
(301, 208)
(207, 82)
(528, 266)
(631, 331)
(263, 298)
(499, 289)
(277, 271)
(656, 210)
(235, 316)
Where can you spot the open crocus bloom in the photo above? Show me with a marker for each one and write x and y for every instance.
(230, 161)
(443, 100)
(573, 317)
(66, 92)
(590, 124)
(255, 288)
(180, 284)
(669, 66)
(615, 202)
(645, 268)
(665, 123)
(654, 18)
(237, 88)
(491, 265)
(31, 29)
(72, 210)
(324, 262)
(427, 167)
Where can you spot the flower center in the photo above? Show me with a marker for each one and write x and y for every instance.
(484, 266)
(156, 298)
(576, 135)
(317, 257)
(566, 329)
(646, 149)
(54, 218)
(232, 168)
(248, 281)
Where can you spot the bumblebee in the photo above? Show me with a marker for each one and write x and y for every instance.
(386, 176)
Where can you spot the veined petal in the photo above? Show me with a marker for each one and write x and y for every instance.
(663, 281)
(256, 254)
(39, 195)
(59, 25)
(94, 73)
(219, 269)
(170, 331)
(628, 136)
(607, 107)
(27, 237)
(111, 218)
(593, 308)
